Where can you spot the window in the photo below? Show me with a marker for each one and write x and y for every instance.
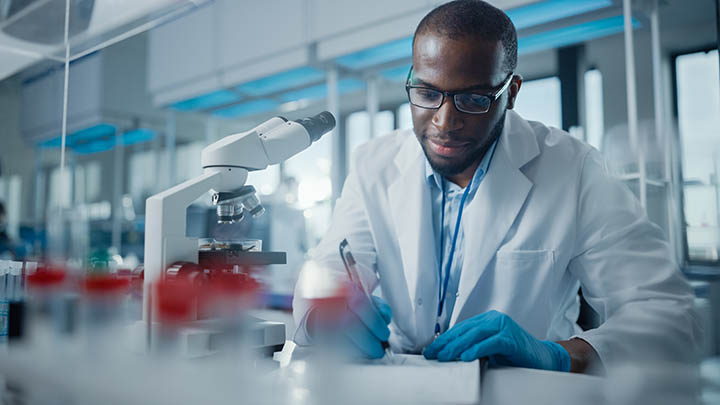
(93, 181)
(79, 182)
(404, 116)
(594, 126)
(59, 190)
(539, 100)
(311, 172)
(698, 108)
(87, 182)
(358, 127)
(141, 185)
(187, 161)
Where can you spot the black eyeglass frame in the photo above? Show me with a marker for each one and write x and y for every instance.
(492, 96)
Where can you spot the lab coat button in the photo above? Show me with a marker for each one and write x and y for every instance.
(457, 295)
(419, 302)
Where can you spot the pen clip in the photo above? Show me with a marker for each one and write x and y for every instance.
(348, 261)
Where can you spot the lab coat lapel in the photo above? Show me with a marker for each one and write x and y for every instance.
(410, 204)
(496, 203)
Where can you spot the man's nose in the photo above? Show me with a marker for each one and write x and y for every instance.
(447, 118)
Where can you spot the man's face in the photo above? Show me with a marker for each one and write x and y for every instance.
(455, 141)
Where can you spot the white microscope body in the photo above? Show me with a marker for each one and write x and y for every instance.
(226, 164)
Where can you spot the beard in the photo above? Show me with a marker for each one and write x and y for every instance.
(447, 168)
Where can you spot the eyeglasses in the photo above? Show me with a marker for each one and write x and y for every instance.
(465, 101)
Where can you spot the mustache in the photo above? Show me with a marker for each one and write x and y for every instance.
(450, 138)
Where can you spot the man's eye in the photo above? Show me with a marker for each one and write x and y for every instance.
(478, 99)
(427, 94)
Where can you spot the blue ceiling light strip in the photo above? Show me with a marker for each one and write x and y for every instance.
(209, 100)
(320, 91)
(396, 74)
(573, 34)
(101, 145)
(138, 136)
(83, 135)
(388, 52)
(99, 138)
(350, 85)
(308, 93)
(553, 10)
(94, 132)
(282, 81)
(249, 108)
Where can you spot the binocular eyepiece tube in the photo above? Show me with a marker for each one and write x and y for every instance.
(318, 125)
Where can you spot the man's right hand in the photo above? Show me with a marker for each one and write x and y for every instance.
(366, 325)
(362, 326)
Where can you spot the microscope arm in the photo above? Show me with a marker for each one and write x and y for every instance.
(165, 223)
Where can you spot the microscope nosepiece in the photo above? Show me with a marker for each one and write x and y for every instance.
(229, 213)
(231, 206)
(252, 204)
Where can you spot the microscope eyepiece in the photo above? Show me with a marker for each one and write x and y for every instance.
(318, 125)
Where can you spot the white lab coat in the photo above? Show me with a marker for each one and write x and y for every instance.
(546, 218)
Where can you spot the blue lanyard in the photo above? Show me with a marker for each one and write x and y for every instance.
(442, 290)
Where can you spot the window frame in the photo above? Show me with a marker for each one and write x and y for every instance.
(687, 261)
(392, 107)
(543, 77)
(584, 125)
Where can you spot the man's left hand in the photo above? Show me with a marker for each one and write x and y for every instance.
(496, 336)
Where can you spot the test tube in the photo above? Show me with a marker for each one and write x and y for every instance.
(15, 269)
(14, 288)
(46, 317)
(30, 268)
(4, 301)
(104, 312)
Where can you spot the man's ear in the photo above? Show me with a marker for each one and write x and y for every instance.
(513, 90)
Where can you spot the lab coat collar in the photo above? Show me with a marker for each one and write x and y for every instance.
(520, 145)
(499, 198)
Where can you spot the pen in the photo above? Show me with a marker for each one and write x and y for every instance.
(349, 262)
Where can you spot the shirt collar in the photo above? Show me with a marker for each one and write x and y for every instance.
(436, 179)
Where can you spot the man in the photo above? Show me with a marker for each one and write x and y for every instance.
(483, 226)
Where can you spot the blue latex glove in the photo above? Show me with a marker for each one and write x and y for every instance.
(367, 326)
(496, 336)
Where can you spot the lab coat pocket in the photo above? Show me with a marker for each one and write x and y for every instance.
(523, 287)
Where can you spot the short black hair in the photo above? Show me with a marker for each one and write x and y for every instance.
(473, 18)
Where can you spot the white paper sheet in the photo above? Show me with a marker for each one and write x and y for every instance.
(404, 379)
(413, 379)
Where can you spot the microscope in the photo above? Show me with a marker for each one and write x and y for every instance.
(226, 164)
